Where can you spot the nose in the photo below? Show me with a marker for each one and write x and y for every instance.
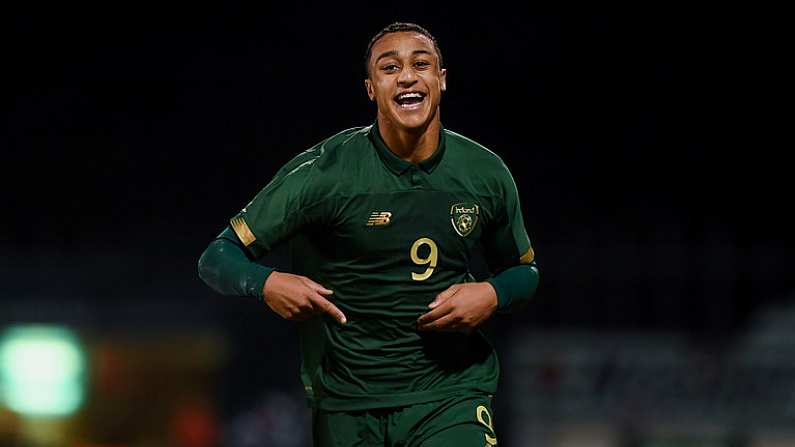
(407, 77)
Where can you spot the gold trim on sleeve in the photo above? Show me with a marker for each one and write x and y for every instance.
(527, 257)
(243, 231)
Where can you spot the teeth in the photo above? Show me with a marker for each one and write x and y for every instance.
(410, 95)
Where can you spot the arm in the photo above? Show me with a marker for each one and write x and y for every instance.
(508, 251)
(226, 267)
(280, 210)
(463, 307)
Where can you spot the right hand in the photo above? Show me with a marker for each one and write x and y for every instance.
(298, 298)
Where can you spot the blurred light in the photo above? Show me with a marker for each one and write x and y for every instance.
(42, 370)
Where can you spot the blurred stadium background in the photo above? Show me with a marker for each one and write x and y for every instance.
(644, 145)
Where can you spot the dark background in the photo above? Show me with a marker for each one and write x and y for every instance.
(645, 145)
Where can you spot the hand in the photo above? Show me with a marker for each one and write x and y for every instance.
(298, 298)
(460, 308)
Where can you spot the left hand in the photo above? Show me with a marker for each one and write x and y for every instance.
(460, 308)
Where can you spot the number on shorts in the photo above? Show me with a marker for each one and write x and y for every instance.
(480, 413)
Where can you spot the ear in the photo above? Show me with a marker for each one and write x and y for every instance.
(443, 78)
(370, 91)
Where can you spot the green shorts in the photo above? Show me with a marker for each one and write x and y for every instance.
(460, 421)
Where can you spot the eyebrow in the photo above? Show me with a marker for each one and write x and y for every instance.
(392, 53)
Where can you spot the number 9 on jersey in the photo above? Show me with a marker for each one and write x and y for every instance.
(429, 260)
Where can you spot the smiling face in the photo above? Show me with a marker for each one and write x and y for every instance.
(405, 80)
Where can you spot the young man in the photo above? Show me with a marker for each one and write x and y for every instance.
(383, 221)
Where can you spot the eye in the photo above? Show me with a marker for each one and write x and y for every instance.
(422, 64)
(390, 68)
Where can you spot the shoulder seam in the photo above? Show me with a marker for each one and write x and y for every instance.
(474, 143)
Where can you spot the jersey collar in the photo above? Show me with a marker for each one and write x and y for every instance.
(397, 164)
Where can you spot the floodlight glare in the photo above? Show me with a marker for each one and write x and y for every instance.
(42, 370)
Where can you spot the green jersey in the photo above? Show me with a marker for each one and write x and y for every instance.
(387, 236)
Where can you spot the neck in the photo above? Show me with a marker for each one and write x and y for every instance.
(413, 145)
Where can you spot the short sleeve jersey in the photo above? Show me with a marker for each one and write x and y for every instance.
(387, 236)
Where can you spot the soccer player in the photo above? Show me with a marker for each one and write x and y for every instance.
(383, 221)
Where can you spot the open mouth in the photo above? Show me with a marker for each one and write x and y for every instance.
(410, 99)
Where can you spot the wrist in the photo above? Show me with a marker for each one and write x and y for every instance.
(491, 294)
(267, 284)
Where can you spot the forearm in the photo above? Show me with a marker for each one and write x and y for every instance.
(515, 286)
(225, 267)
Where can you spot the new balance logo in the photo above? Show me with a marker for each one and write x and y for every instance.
(379, 218)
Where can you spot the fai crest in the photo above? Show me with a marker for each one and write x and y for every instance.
(464, 217)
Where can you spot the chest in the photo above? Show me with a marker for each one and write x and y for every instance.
(422, 227)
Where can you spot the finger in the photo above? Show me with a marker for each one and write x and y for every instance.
(434, 314)
(444, 295)
(445, 323)
(326, 306)
(295, 312)
(318, 288)
(303, 316)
